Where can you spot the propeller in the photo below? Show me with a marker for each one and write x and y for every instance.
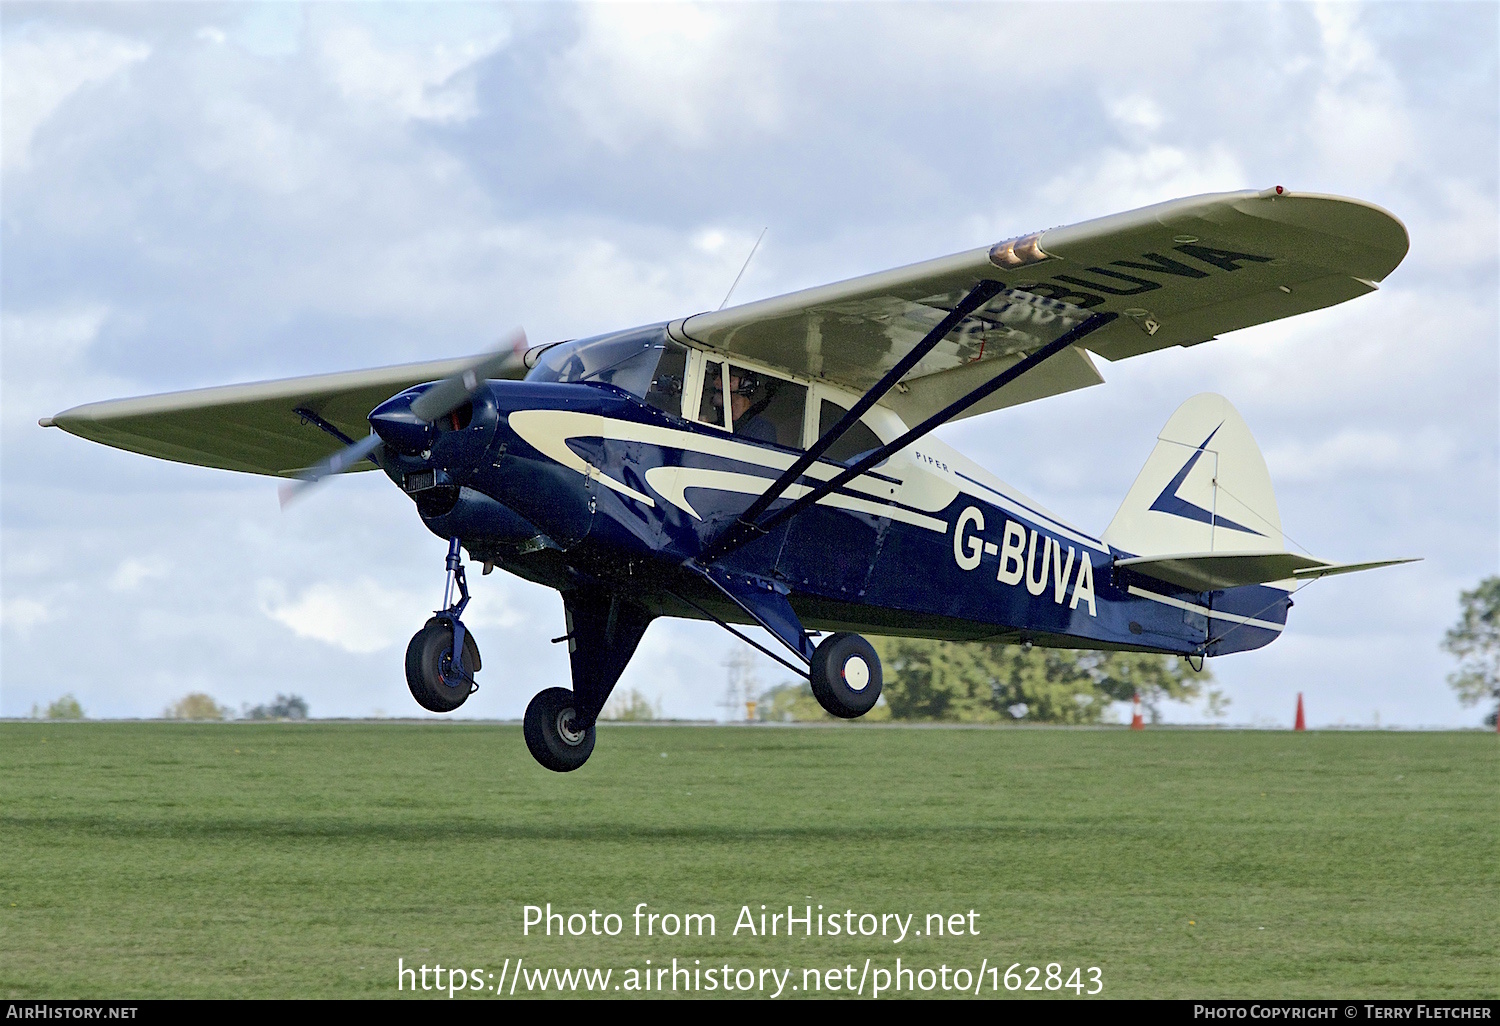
(452, 392)
(438, 401)
(335, 464)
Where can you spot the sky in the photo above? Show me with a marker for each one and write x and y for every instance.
(193, 194)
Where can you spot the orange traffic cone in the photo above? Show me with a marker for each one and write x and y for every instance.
(1301, 723)
(1136, 723)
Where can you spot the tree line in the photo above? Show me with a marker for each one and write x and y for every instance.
(990, 682)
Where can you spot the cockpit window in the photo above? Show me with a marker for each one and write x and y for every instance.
(763, 407)
(627, 360)
(665, 392)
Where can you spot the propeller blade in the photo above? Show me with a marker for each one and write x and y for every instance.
(335, 464)
(438, 401)
(451, 393)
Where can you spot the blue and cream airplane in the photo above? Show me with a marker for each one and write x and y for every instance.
(773, 463)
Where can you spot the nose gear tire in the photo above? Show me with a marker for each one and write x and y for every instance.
(550, 733)
(845, 675)
(429, 668)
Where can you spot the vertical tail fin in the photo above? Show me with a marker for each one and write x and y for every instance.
(1205, 488)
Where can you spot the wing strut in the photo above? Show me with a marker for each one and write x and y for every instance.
(745, 527)
(309, 417)
(734, 538)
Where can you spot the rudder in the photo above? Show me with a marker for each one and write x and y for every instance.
(1204, 488)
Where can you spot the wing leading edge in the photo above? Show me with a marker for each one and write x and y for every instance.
(255, 428)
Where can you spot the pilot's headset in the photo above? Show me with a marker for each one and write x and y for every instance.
(749, 386)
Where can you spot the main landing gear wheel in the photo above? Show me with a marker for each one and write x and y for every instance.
(845, 675)
(434, 681)
(551, 734)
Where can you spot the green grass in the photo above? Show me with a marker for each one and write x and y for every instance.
(176, 860)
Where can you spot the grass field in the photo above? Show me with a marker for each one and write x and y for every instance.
(176, 860)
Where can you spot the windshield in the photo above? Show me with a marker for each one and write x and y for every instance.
(626, 359)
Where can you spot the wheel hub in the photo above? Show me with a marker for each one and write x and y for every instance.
(857, 673)
(565, 720)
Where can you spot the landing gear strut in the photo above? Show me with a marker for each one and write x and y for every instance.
(442, 658)
(604, 628)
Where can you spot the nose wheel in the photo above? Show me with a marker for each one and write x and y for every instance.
(442, 658)
(437, 682)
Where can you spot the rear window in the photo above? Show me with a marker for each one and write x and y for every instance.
(855, 442)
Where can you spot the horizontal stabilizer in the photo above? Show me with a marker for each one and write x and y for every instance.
(1214, 571)
(1312, 573)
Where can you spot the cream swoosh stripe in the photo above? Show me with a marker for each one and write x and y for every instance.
(1249, 621)
(548, 432)
(672, 483)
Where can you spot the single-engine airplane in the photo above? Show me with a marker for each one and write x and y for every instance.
(773, 463)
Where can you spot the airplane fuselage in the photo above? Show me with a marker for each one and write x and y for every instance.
(572, 484)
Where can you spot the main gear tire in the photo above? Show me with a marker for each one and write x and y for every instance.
(845, 675)
(430, 673)
(551, 734)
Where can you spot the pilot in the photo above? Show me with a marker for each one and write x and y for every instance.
(748, 398)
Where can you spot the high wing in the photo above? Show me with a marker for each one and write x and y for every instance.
(1179, 273)
(258, 428)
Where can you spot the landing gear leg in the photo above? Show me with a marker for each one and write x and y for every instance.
(442, 658)
(604, 629)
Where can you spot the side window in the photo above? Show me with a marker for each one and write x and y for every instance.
(766, 408)
(762, 408)
(858, 440)
(665, 390)
(711, 406)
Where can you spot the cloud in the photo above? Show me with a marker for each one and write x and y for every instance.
(1355, 452)
(134, 572)
(50, 337)
(43, 66)
(22, 614)
(1463, 230)
(245, 142)
(1135, 112)
(360, 616)
(423, 82)
(686, 74)
(1121, 179)
(1359, 118)
(46, 358)
(1346, 358)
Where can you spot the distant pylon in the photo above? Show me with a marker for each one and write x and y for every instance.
(1301, 723)
(1136, 723)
